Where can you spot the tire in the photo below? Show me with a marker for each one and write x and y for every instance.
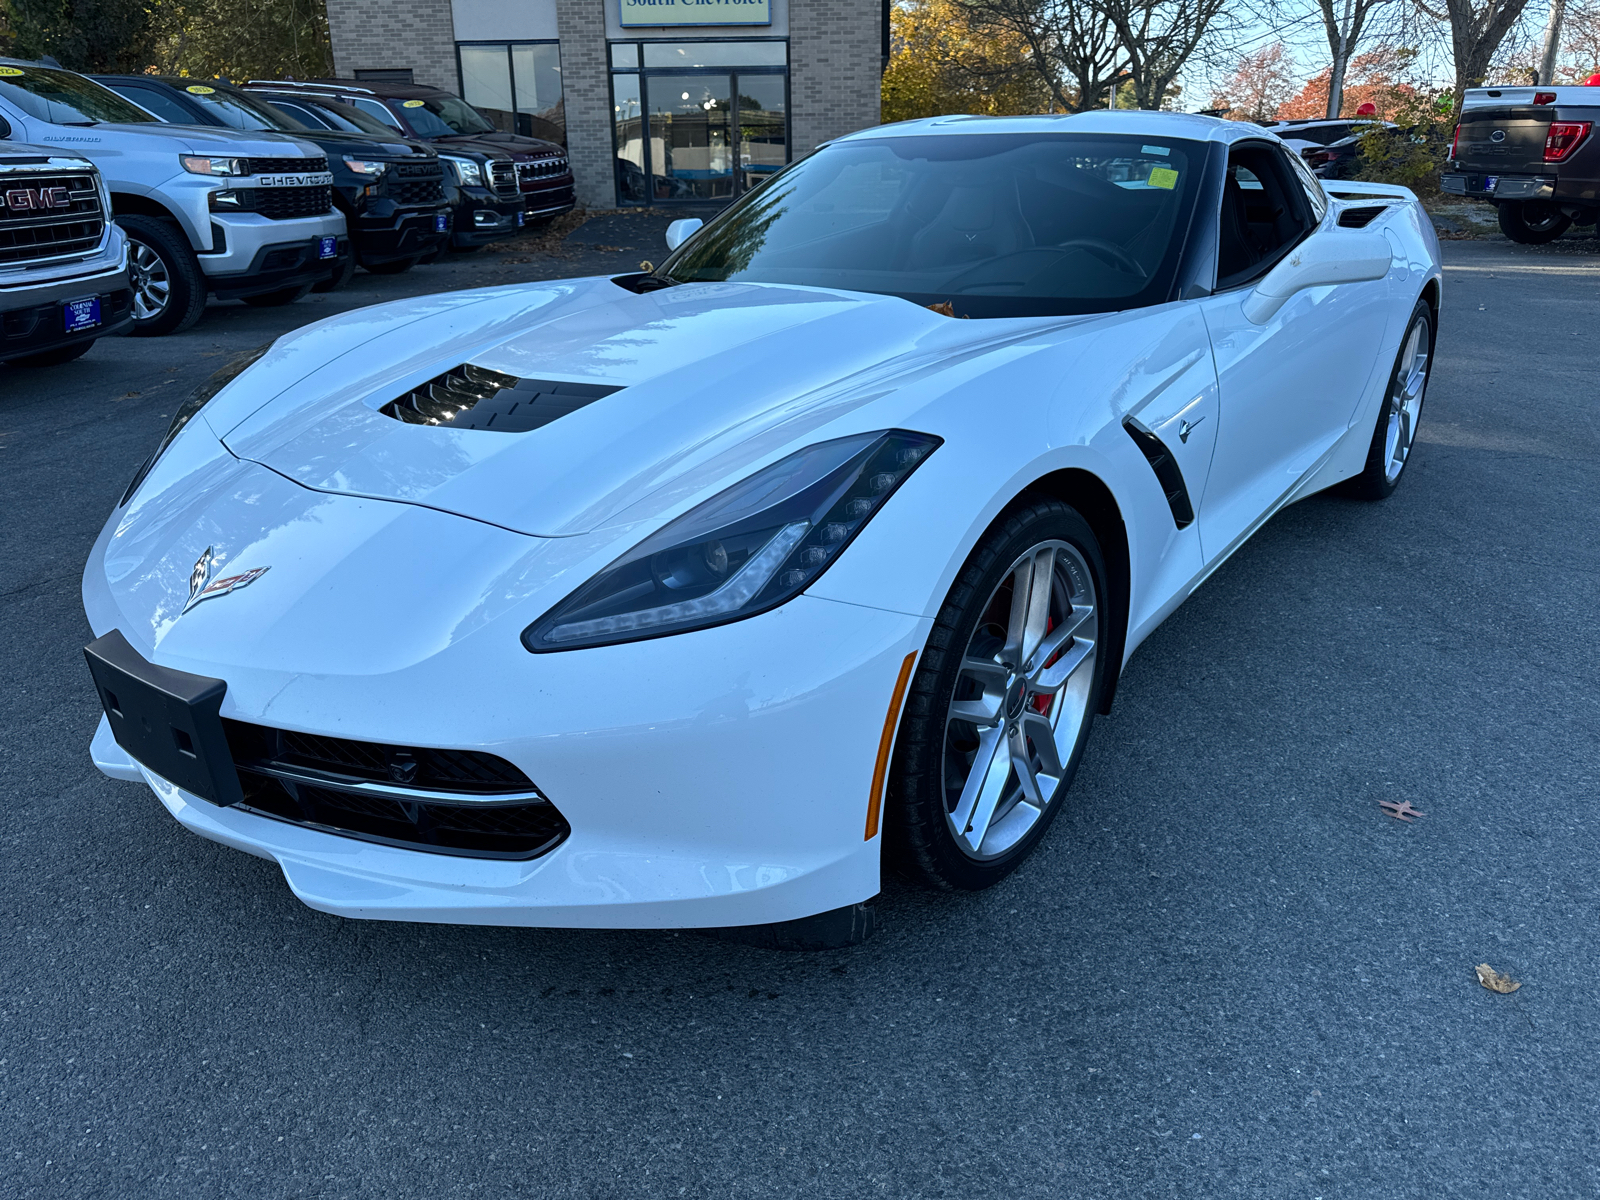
(54, 358)
(398, 266)
(1395, 434)
(1532, 222)
(338, 277)
(168, 287)
(278, 298)
(932, 825)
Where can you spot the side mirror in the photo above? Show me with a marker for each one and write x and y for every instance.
(1329, 256)
(680, 232)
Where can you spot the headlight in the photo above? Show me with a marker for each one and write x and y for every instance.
(468, 173)
(197, 164)
(186, 411)
(749, 548)
(363, 167)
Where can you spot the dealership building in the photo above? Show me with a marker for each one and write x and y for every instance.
(658, 102)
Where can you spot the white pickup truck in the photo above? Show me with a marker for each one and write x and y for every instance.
(206, 211)
(63, 262)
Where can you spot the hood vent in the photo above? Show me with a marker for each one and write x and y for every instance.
(469, 397)
(1361, 216)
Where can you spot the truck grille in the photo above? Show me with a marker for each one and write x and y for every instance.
(544, 168)
(287, 166)
(503, 179)
(30, 231)
(330, 783)
(284, 204)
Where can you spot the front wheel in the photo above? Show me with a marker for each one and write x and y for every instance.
(1002, 702)
(169, 291)
(1532, 222)
(1396, 431)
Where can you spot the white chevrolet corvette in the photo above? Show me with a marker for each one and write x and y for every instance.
(691, 598)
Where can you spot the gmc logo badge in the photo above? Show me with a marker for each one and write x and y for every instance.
(25, 199)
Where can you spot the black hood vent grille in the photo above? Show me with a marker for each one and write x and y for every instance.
(469, 397)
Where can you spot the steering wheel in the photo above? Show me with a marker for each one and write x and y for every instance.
(1107, 252)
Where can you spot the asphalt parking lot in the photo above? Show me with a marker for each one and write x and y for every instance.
(1226, 972)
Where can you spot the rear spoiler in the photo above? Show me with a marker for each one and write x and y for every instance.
(1512, 96)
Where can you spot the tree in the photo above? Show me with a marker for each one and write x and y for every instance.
(1344, 35)
(1376, 77)
(1580, 41)
(1260, 85)
(941, 62)
(84, 35)
(1477, 27)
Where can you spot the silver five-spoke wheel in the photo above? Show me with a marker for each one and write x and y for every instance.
(1021, 697)
(152, 288)
(1405, 401)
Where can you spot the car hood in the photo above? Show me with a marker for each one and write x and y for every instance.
(369, 144)
(194, 139)
(501, 144)
(712, 380)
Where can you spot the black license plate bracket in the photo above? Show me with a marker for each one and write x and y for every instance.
(168, 721)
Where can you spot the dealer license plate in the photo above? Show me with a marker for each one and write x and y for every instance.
(81, 314)
(327, 247)
(169, 721)
(1489, 182)
(521, 217)
(441, 223)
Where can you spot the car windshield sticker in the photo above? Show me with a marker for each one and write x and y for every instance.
(9, 71)
(200, 89)
(1161, 150)
(1163, 177)
(412, 104)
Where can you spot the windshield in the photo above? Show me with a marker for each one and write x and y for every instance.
(995, 224)
(62, 98)
(239, 111)
(443, 116)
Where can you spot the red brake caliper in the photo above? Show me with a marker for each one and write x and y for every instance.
(1041, 704)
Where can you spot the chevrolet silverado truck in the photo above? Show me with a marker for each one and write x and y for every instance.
(1532, 153)
(63, 261)
(206, 211)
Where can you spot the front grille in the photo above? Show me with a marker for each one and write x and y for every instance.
(546, 168)
(316, 780)
(29, 231)
(416, 191)
(286, 166)
(282, 204)
(503, 179)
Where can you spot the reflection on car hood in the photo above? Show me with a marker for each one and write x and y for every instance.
(500, 145)
(710, 378)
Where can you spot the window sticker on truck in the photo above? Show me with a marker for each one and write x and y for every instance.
(318, 179)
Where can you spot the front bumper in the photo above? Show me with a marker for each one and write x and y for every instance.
(31, 320)
(257, 255)
(711, 779)
(479, 218)
(399, 233)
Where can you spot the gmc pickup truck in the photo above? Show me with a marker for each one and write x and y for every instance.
(1533, 153)
(206, 211)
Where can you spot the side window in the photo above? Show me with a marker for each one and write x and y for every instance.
(375, 108)
(1265, 211)
(303, 113)
(155, 103)
(1315, 196)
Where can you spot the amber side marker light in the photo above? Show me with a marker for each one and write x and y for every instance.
(881, 771)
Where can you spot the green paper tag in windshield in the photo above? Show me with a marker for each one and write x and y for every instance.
(1163, 177)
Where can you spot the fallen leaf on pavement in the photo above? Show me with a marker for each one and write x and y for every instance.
(1400, 809)
(1495, 981)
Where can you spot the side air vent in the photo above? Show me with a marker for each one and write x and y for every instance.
(1361, 217)
(1167, 474)
(469, 397)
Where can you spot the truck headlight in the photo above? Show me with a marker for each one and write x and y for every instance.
(362, 166)
(468, 172)
(199, 164)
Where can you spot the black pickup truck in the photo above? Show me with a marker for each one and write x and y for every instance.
(1534, 153)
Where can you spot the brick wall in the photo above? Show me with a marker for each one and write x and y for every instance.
(395, 33)
(835, 69)
(586, 94)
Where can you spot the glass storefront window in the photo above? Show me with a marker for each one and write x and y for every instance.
(628, 124)
(625, 57)
(689, 119)
(517, 86)
(715, 54)
(763, 144)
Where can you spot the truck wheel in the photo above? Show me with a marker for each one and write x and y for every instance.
(1532, 222)
(286, 295)
(169, 292)
(53, 358)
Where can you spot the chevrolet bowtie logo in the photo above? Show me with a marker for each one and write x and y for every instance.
(29, 199)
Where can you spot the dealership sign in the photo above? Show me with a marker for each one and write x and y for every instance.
(696, 12)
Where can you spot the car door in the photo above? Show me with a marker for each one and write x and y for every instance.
(1289, 388)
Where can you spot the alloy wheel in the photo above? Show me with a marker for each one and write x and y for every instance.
(1020, 700)
(1405, 401)
(152, 287)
